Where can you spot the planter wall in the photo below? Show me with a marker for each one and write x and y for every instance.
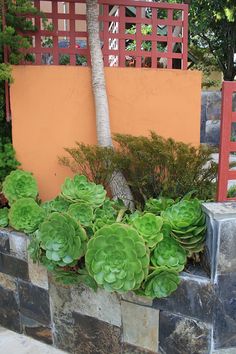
(199, 318)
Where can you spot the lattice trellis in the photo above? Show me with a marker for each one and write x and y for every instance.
(133, 33)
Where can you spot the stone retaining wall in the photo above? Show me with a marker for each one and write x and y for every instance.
(199, 318)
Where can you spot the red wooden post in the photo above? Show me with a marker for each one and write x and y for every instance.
(226, 145)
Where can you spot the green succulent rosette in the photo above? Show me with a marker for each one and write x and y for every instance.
(156, 206)
(168, 253)
(4, 217)
(108, 210)
(62, 238)
(117, 258)
(187, 222)
(161, 283)
(19, 184)
(26, 215)
(79, 189)
(149, 227)
(82, 212)
(57, 204)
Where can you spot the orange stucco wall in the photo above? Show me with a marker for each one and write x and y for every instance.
(52, 107)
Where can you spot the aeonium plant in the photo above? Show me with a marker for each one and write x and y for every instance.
(83, 236)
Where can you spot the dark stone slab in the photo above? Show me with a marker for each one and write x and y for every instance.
(181, 335)
(225, 312)
(9, 310)
(36, 330)
(194, 298)
(64, 334)
(227, 247)
(131, 349)
(4, 241)
(93, 336)
(14, 266)
(34, 302)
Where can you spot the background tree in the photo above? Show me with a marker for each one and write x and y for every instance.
(213, 31)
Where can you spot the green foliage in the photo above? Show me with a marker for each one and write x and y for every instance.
(81, 212)
(79, 189)
(57, 204)
(117, 258)
(149, 227)
(8, 161)
(213, 28)
(153, 166)
(156, 206)
(161, 283)
(168, 253)
(232, 191)
(26, 215)
(19, 184)
(62, 238)
(3, 217)
(187, 222)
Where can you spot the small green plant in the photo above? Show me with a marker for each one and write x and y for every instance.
(232, 191)
(117, 258)
(79, 189)
(26, 215)
(149, 227)
(62, 238)
(161, 283)
(187, 222)
(19, 184)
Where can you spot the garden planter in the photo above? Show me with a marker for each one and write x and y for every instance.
(199, 318)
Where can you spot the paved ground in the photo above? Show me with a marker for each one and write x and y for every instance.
(14, 343)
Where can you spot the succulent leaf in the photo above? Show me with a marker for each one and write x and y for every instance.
(149, 227)
(19, 184)
(62, 238)
(81, 212)
(161, 283)
(117, 258)
(26, 215)
(156, 206)
(79, 189)
(168, 253)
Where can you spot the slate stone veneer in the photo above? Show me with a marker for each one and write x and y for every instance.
(199, 318)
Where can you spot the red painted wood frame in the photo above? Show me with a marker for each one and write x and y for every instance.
(227, 146)
(48, 45)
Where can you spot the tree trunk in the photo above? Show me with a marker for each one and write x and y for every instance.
(118, 184)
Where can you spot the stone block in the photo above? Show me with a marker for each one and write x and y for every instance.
(225, 351)
(220, 211)
(132, 349)
(225, 312)
(8, 282)
(226, 260)
(140, 300)
(4, 241)
(14, 266)
(36, 330)
(9, 310)
(34, 302)
(195, 297)
(37, 274)
(140, 326)
(181, 335)
(18, 245)
(100, 304)
(95, 336)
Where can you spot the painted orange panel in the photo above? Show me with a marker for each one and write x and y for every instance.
(53, 107)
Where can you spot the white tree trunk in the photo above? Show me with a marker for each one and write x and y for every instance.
(118, 184)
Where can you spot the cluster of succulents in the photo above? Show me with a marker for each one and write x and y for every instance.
(83, 236)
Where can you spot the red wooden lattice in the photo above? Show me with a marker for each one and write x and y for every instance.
(227, 145)
(67, 41)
